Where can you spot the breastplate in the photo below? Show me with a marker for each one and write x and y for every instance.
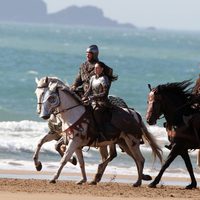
(97, 85)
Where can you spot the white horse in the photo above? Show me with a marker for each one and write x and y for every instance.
(78, 126)
(55, 133)
(55, 129)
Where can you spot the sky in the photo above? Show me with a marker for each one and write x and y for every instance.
(162, 14)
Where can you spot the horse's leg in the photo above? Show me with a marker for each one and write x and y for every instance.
(58, 145)
(188, 164)
(124, 146)
(79, 155)
(105, 160)
(172, 155)
(73, 145)
(198, 158)
(48, 137)
(134, 147)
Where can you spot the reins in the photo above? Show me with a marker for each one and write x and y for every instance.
(66, 109)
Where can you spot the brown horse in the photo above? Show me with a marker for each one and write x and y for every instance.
(172, 100)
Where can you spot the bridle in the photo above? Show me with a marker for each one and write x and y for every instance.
(66, 109)
(157, 97)
(55, 113)
(41, 87)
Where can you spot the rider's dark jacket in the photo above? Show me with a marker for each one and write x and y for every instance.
(86, 71)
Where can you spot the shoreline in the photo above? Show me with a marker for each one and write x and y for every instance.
(72, 176)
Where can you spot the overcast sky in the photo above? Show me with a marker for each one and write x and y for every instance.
(167, 14)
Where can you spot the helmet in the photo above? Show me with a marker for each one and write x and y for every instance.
(94, 50)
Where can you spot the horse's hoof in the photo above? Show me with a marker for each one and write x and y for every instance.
(93, 183)
(81, 182)
(146, 177)
(191, 186)
(74, 161)
(152, 185)
(136, 184)
(39, 166)
(52, 181)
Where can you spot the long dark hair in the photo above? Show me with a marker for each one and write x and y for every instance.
(108, 71)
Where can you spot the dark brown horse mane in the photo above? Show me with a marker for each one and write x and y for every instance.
(182, 89)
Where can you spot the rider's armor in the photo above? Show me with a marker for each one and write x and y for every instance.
(99, 87)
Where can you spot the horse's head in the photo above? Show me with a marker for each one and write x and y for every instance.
(50, 101)
(169, 99)
(60, 101)
(153, 106)
(42, 86)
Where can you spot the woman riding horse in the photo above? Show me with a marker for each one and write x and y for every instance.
(97, 94)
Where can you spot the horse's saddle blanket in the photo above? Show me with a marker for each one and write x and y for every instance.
(187, 133)
(126, 120)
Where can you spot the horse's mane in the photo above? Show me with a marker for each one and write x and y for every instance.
(67, 90)
(182, 89)
(44, 81)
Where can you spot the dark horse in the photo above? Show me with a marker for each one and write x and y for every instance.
(173, 101)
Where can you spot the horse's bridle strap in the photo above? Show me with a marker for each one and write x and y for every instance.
(66, 109)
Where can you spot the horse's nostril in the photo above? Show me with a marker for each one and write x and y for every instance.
(45, 117)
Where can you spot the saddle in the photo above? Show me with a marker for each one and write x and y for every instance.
(121, 118)
(118, 118)
(125, 120)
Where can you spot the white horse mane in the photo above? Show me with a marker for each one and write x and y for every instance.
(44, 81)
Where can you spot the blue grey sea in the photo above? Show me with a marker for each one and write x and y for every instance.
(137, 56)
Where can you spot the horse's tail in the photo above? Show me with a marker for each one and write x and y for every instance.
(157, 151)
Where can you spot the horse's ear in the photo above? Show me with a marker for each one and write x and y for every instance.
(46, 79)
(53, 86)
(149, 86)
(36, 80)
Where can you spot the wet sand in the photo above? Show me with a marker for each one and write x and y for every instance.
(31, 189)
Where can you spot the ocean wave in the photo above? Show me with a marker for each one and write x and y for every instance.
(24, 125)
(33, 72)
(19, 141)
(23, 136)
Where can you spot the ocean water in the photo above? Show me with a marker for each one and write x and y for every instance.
(138, 57)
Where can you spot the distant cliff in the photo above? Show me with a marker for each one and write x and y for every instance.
(35, 11)
(23, 11)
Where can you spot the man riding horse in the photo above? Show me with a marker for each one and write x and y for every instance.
(86, 70)
(92, 84)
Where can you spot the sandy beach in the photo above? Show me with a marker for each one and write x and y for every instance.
(31, 189)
